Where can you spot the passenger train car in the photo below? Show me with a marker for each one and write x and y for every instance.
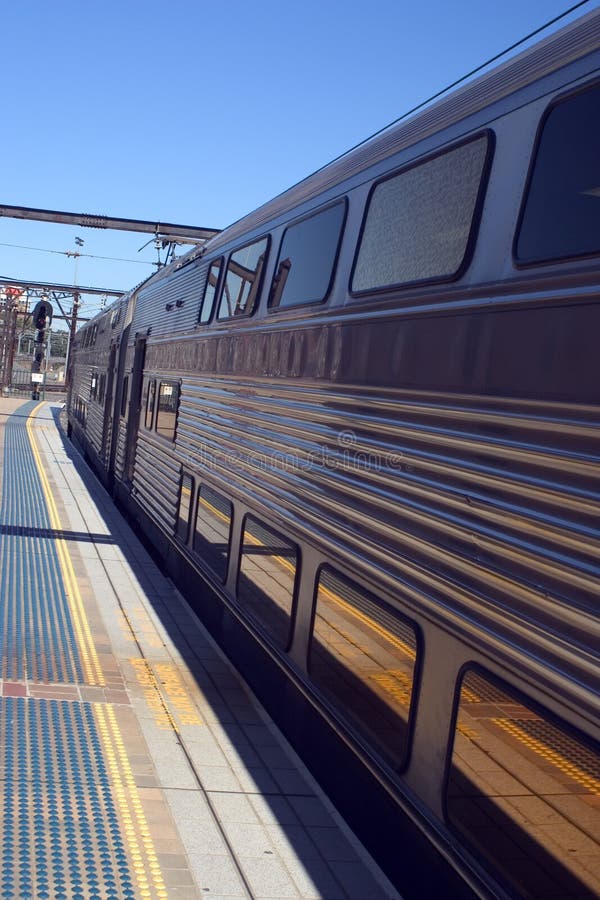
(360, 428)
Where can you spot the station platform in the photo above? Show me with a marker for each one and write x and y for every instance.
(134, 761)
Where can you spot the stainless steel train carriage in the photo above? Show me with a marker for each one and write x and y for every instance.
(360, 426)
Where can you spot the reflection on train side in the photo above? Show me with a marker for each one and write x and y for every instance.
(212, 530)
(185, 505)
(526, 794)
(166, 413)
(266, 579)
(363, 658)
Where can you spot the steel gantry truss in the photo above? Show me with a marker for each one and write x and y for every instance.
(16, 293)
(16, 296)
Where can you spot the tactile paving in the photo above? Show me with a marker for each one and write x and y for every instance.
(37, 631)
(60, 834)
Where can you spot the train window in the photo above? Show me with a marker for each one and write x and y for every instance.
(150, 402)
(166, 411)
(243, 279)
(419, 223)
(125, 395)
(363, 658)
(561, 216)
(524, 792)
(266, 579)
(213, 530)
(186, 492)
(307, 258)
(116, 315)
(94, 387)
(210, 290)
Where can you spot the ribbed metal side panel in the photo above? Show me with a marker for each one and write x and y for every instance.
(156, 482)
(483, 508)
(120, 452)
(94, 425)
(559, 50)
(157, 303)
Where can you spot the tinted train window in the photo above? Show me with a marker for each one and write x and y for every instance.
(166, 412)
(242, 280)
(524, 791)
(418, 224)
(561, 217)
(363, 658)
(210, 291)
(213, 530)
(307, 258)
(267, 578)
(125, 395)
(185, 505)
(149, 417)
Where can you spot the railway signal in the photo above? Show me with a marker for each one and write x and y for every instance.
(42, 319)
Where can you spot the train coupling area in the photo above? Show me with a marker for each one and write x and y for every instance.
(134, 762)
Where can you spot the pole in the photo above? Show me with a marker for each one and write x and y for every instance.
(72, 330)
(11, 334)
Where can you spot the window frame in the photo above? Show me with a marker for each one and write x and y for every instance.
(94, 379)
(192, 503)
(340, 201)
(174, 383)
(194, 530)
(151, 390)
(337, 711)
(551, 260)
(124, 397)
(519, 696)
(471, 241)
(259, 287)
(251, 617)
(221, 261)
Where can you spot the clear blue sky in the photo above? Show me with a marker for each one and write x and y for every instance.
(195, 112)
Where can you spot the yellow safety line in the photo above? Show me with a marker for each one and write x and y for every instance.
(141, 849)
(135, 825)
(87, 649)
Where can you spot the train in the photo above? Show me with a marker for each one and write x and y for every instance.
(360, 429)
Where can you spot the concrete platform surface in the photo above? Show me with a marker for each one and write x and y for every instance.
(134, 761)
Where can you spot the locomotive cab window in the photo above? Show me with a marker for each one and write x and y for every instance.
(266, 579)
(210, 291)
(307, 258)
(419, 224)
(242, 280)
(561, 215)
(363, 658)
(523, 789)
(166, 412)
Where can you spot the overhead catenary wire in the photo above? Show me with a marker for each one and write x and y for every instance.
(140, 262)
(458, 81)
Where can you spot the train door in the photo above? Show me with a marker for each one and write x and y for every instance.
(135, 398)
(107, 425)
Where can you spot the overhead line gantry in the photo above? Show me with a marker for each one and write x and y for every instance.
(164, 231)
